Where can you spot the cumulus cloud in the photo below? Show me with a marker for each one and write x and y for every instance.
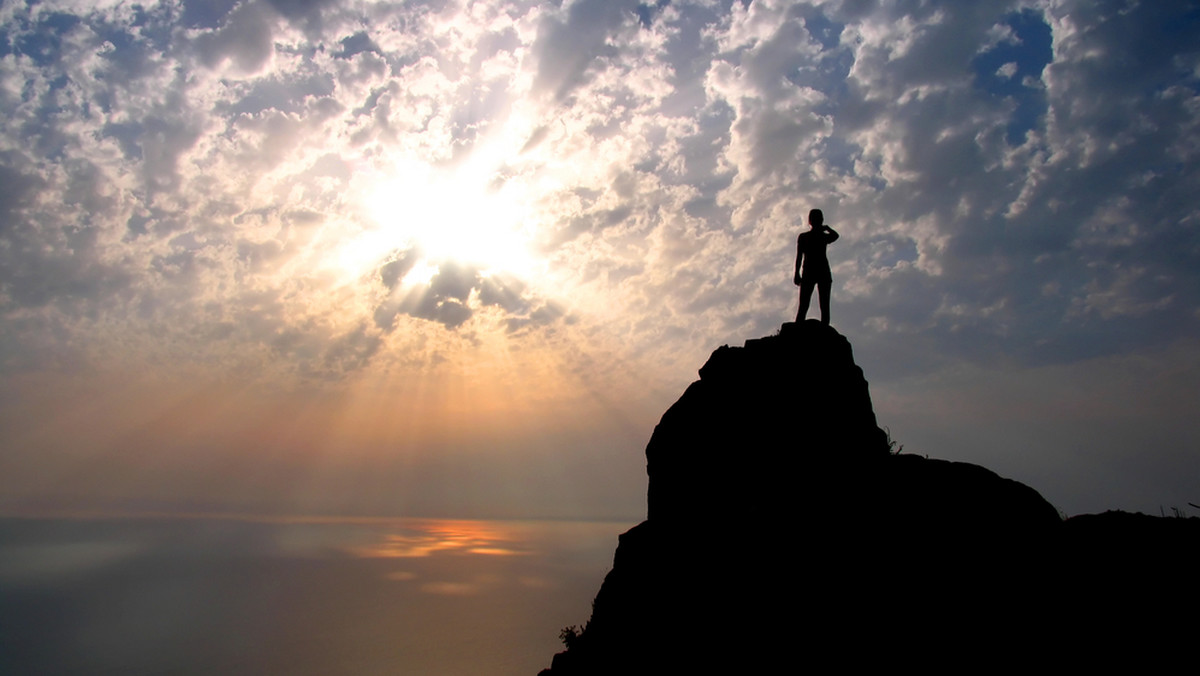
(170, 161)
(188, 175)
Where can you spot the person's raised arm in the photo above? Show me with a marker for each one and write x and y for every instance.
(832, 236)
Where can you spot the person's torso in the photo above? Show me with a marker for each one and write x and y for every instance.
(812, 243)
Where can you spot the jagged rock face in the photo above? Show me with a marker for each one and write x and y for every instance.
(737, 441)
(783, 534)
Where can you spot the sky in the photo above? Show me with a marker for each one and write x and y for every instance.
(456, 258)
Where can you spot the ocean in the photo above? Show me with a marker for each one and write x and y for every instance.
(243, 595)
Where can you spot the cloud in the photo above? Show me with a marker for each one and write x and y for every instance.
(192, 185)
(177, 200)
(900, 123)
(243, 39)
(568, 45)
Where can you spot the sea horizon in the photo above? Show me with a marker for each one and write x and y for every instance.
(249, 593)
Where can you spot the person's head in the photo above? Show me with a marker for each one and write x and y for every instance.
(815, 218)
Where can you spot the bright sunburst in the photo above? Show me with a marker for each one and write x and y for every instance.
(468, 214)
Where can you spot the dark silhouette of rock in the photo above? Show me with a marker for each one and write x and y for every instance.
(736, 441)
(783, 533)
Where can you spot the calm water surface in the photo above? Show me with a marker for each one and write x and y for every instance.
(239, 596)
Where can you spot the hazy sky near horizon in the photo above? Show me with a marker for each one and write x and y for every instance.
(455, 259)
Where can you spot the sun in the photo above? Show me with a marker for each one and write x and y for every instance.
(467, 214)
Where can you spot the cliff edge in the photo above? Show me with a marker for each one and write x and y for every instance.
(783, 529)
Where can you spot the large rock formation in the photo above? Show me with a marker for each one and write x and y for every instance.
(783, 532)
(736, 442)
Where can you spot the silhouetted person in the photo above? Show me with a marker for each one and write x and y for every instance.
(812, 266)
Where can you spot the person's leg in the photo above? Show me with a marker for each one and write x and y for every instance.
(806, 289)
(823, 290)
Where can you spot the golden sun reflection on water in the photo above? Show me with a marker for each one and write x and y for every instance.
(297, 588)
(426, 538)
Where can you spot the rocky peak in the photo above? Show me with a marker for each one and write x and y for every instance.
(783, 533)
(733, 444)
